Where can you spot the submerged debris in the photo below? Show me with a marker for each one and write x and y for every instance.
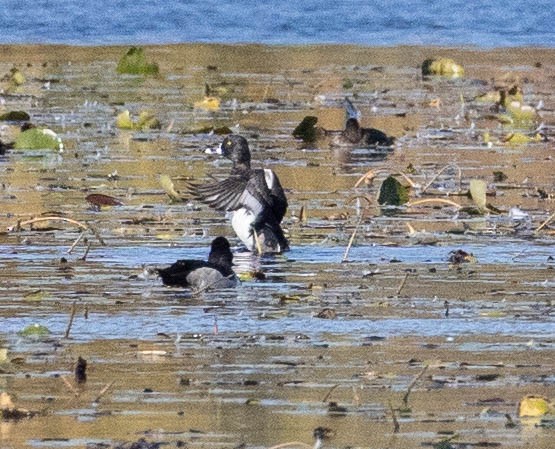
(459, 256)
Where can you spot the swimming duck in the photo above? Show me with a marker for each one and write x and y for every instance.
(354, 134)
(201, 275)
(253, 197)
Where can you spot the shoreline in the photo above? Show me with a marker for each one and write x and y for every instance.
(270, 58)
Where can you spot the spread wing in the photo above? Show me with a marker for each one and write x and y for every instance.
(258, 191)
(221, 195)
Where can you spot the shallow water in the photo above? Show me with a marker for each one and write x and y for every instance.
(254, 365)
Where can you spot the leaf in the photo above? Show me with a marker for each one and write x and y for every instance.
(147, 120)
(37, 295)
(534, 406)
(167, 185)
(17, 77)
(393, 193)
(38, 139)
(521, 139)
(478, 190)
(98, 199)
(210, 104)
(442, 66)
(6, 401)
(15, 116)
(123, 120)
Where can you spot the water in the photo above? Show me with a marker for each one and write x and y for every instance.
(378, 23)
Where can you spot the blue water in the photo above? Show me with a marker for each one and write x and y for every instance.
(483, 24)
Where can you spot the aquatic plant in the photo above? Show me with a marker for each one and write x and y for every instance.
(134, 62)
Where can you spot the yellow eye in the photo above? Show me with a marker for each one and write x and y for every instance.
(228, 143)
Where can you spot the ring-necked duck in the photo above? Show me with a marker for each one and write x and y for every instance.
(354, 134)
(200, 275)
(254, 197)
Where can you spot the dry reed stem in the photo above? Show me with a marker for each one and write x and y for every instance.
(396, 426)
(330, 391)
(433, 200)
(412, 384)
(291, 443)
(77, 240)
(440, 172)
(545, 223)
(80, 224)
(73, 310)
(69, 386)
(403, 282)
(104, 390)
(53, 218)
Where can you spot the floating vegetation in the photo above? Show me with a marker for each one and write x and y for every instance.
(38, 139)
(146, 121)
(34, 331)
(393, 193)
(210, 104)
(534, 406)
(134, 62)
(15, 116)
(169, 188)
(443, 67)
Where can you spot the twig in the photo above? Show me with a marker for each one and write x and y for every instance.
(328, 394)
(440, 172)
(77, 240)
(86, 251)
(54, 218)
(433, 200)
(351, 240)
(82, 225)
(412, 384)
(410, 181)
(369, 175)
(545, 223)
(104, 390)
(403, 282)
(68, 328)
(396, 426)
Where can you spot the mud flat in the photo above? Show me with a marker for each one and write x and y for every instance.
(388, 344)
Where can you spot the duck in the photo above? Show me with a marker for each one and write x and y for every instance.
(354, 134)
(254, 199)
(200, 275)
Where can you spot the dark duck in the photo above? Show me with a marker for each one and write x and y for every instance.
(354, 134)
(201, 275)
(253, 197)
